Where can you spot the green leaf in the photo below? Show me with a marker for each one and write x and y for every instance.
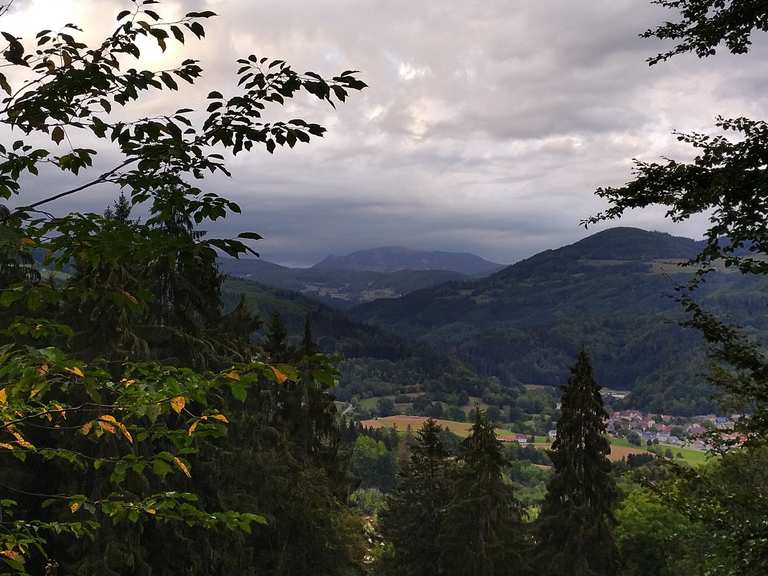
(57, 135)
(250, 236)
(161, 468)
(238, 390)
(4, 84)
(169, 81)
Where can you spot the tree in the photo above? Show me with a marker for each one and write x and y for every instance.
(276, 341)
(118, 382)
(725, 181)
(634, 438)
(655, 539)
(373, 464)
(705, 24)
(308, 345)
(574, 529)
(483, 533)
(415, 514)
(120, 210)
(385, 407)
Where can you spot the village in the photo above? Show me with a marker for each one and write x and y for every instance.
(693, 432)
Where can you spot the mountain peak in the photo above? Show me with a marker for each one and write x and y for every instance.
(396, 258)
(626, 243)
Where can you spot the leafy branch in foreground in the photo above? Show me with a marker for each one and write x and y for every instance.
(125, 390)
(705, 24)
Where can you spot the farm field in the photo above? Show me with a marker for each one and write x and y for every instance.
(620, 448)
(401, 423)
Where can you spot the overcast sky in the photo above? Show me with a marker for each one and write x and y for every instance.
(486, 128)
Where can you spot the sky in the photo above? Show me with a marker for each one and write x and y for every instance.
(486, 127)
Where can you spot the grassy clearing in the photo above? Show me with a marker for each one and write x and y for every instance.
(689, 456)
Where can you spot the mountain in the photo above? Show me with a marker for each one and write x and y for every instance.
(340, 288)
(395, 258)
(611, 293)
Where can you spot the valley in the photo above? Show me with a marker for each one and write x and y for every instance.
(612, 293)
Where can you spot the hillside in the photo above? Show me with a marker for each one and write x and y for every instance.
(340, 288)
(375, 362)
(395, 258)
(612, 293)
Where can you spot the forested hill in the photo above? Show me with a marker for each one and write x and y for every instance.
(396, 258)
(375, 362)
(612, 293)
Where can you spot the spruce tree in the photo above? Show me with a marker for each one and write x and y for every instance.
(120, 211)
(483, 532)
(276, 343)
(413, 520)
(308, 346)
(574, 531)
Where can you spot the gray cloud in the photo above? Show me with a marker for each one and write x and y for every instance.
(487, 125)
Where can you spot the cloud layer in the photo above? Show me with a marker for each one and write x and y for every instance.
(487, 125)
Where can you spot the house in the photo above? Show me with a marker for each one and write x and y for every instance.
(664, 429)
(723, 423)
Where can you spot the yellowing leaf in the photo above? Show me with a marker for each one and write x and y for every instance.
(6, 445)
(151, 511)
(35, 391)
(183, 467)
(124, 432)
(74, 507)
(220, 418)
(85, 429)
(130, 297)
(61, 410)
(281, 377)
(178, 404)
(76, 371)
(28, 242)
(127, 382)
(193, 427)
(12, 555)
(21, 441)
(3, 396)
(108, 423)
(233, 375)
(43, 370)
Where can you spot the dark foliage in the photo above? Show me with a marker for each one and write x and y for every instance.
(575, 527)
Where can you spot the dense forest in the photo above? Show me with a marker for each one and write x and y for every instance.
(159, 419)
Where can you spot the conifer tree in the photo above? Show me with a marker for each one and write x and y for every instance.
(276, 344)
(414, 517)
(120, 210)
(308, 346)
(574, 529)
(483, 531)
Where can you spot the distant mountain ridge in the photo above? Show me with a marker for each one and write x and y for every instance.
(364, 276)
(396, 258)
(338, 288)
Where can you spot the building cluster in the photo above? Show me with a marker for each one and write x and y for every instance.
(673, 430)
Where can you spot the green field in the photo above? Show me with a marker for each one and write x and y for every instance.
(690, 456)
